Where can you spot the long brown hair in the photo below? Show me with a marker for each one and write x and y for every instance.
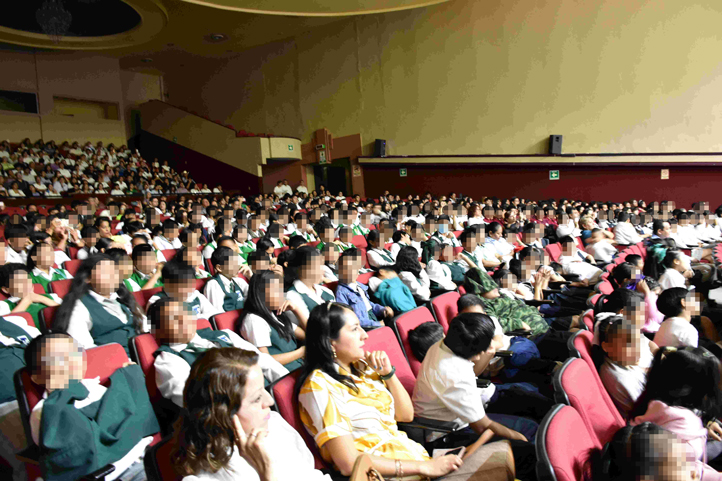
(213, 393)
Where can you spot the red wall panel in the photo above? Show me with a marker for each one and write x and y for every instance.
(686, 185)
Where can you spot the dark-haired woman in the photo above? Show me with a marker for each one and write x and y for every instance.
(267, 323)
(98, 309)
(227, 431)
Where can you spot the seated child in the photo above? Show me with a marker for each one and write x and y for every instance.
(274, 234)
(16, 239)
(439, 274)
(356, 295)
(400, 239)
(345, 234)
(80, 425)
(423, 336)
(267, 323)
(375, 253)
(17, 285)
(330, 264)
(390, 291)
(90, 236)
(180, 283)
(301, 228)
(146, 271)
(326, 235)
(412, 274)
(468, 258)
(572, 262)
(678, 306)
(226, 291)
(245, 245)
(254, 228)
(169, 238)
(260, 261)
(40, 262)
(193, 258)
(627, 358)
(224, 227)
(600, 247)
(181, 344)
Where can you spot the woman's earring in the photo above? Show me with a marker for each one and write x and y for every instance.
(334, 352)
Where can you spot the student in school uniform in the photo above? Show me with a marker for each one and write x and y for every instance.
(169, 238)
(306, 292)
(355, 294)
(97, 311)
(181, 343)
(344, 239)
(330, 264)
(15, 335)
(401, 239)
(180, 283)
(81, 425)
(468, 258)
(194, 259)
(326, 234)
(16, 239)
(224, 227)
(146, 271)
(267, 321)
(245, 246)
(16, 283)
(412, 274)
(254, 228)
(90, 237)
(226, 291)
(40, 262)
(376, 255)
(274, 234)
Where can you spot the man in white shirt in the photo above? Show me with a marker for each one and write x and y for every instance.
(599, 247)
(624, 232)
(572, 262)
(17, 238)
(678, 306)
(446, 390)
(286, 188)
(301, 189)
(279, 190)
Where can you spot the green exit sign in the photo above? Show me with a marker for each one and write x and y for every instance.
(290, 147)
(402, 172)
(553, 175)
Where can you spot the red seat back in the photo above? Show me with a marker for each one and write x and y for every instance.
(227, 320)
(201, 284)
(25, 315)
(605, 287)
(142, 297)
(46, 318)
(287, 405)
(72, 266)
(554, 251)
(575, 385)
(142, 348)
(333, 286)
(61, 288)
(359, 241)
(462, 290)
(563, 446)
(38, 289)
(157, 462)
(404, 324)
(384, 339)
(445, 309)
(169, 254)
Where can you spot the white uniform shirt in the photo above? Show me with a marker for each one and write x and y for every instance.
(12, 257)
(672, 278)
(676, 332)
(575, 265)
(288, 454)
(626, 234)
(440, 274)
(214, 293)
(376, 260)
(626, 383)
(80, 322)
(602, 251)
(171, 371)
(314, 294)
(419, 286)
(161, 243)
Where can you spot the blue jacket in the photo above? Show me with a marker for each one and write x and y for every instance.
(346, 295)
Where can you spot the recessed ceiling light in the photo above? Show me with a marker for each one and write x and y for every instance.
(146, 60)
(217, 37)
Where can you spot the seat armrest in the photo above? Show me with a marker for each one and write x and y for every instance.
(535, 303)
(100, 474)
(430, 425)
(551, 291)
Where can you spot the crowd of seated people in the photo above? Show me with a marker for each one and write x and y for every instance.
(306, 280)
(46, 170)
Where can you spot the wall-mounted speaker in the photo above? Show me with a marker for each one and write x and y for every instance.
(555, 145)
(380, 148)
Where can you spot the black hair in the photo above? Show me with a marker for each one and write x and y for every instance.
(466, 234)
(177, 271)
(264, 244)
(140, 250)
(670, 257)
(633, 454)
(221, 256)
(633, 259)
(468, 300)
(423, 337)
(256, 304)
(469, 334)
(610, 326)
(373, 236)
(81, 286)
(302, 257)
(15, 231)
(396, 237)
(566, 240)
(657, 225)
(117, 254)
(324, 324)
(155, 310)
(296, 241)
(621, 273)
(8, 271)
(685, 377)
(670, 300)
(407, 260)
(256, 256)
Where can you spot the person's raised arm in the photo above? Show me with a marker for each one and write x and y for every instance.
(403, 407)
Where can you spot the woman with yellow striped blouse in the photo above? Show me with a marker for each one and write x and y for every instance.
(350, 401)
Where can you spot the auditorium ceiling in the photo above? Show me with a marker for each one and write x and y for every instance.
(152, 35)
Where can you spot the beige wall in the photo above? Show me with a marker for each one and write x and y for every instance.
(470, 77)
(76, 75)
(138, 88)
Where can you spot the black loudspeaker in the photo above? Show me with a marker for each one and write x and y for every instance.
(555, 145)
(380, 148)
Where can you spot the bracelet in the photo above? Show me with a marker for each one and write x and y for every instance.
(399, 469)
(386, 377)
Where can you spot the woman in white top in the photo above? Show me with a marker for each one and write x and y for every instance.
(15, 191)
(475, 215)
(437, 272)
(227, 429)
(678, 270)
(412, 274)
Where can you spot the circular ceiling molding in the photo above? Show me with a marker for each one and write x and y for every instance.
(315, 8)
(138, 22)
